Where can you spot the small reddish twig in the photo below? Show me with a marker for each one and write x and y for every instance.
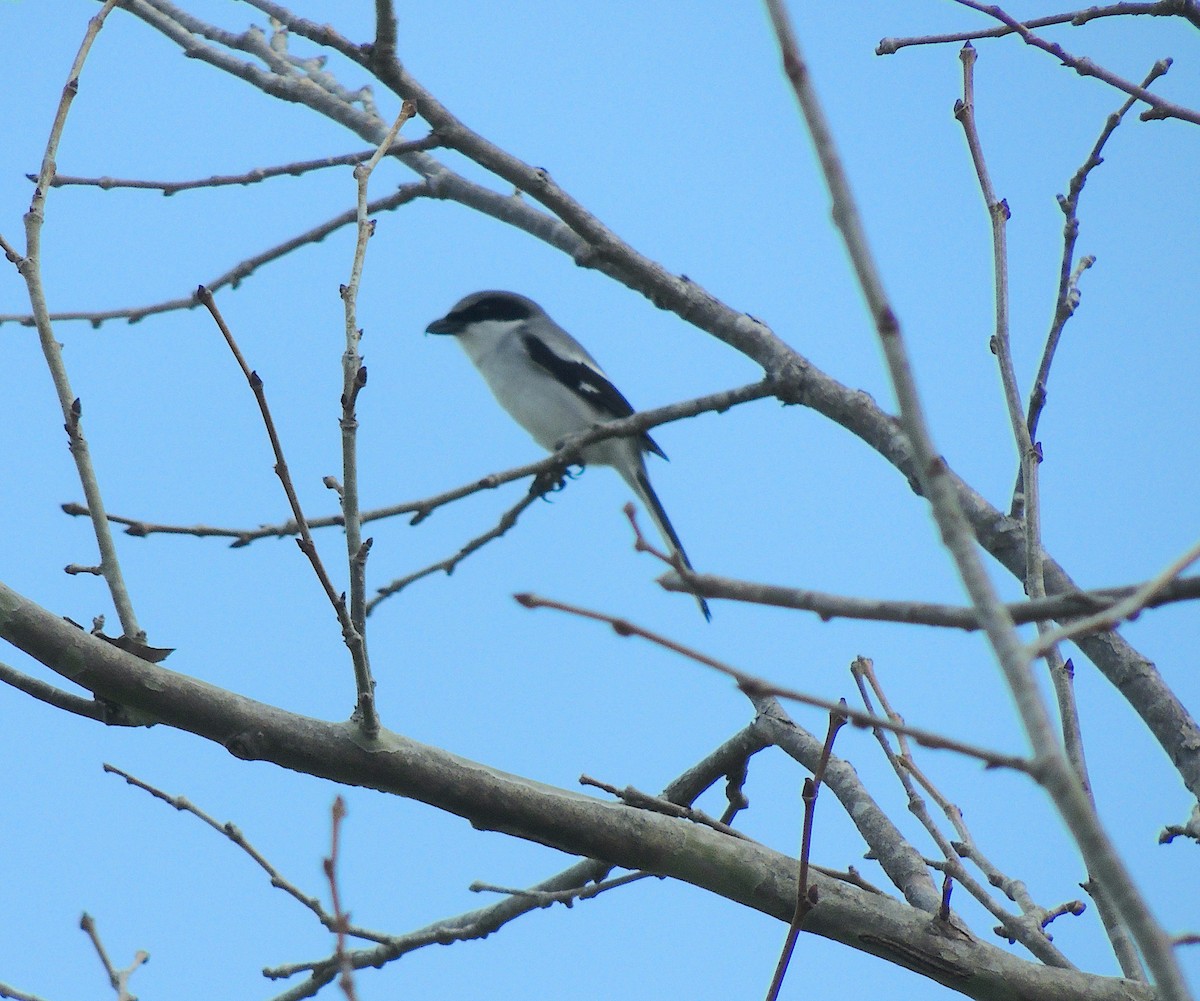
(806, 896)
(675, 560)
(341, 918)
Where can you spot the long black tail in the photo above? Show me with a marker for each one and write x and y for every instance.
(654, 505)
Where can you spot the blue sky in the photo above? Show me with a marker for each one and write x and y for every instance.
(674, 125)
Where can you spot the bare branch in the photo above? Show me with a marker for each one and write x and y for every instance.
(354, 378)
(837, 606)
(254, 176)
(636, 423)
(1128, 607)
(341, 918)
(235, 275)
(806, 896)
(544, 898)
(118, 979)
(30, 268)
(1029, 456)
(1025, 928)
(230, 830)
(1187, 9)
(755, 686)
(1030, 925)
(644, 801)
(448, 565)
(998, 213)
(1160, 108)
(365, 713)
(1070, 272)
(43, 692)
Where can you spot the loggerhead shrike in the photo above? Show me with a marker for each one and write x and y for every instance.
(553, 388)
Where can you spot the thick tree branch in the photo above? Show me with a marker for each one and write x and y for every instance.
(741, 871)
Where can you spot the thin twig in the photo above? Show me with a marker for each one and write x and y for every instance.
(341, 918)
(1161, 8)
(756, 686)
(806, 897)
(354, 378)
(118, 979)
(368, 720)
(1028, 457)
(637, 423)
(448, 565)
(1070, 272)
(657, 804)
(998, 214)
(544, 898)
(1159, 107)
(673, 560)
(840, 606)
(30, 268)
(1025, 928)
(231, 831)
(1128, 608)
(1029, 480)
(253, 176)
(235, 275)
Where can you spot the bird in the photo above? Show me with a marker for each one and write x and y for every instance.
(554, 389)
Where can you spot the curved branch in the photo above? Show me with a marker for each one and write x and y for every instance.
(739, 870)
(56, 697)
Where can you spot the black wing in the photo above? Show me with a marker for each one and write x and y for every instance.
(587, 381)
(579, 377)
